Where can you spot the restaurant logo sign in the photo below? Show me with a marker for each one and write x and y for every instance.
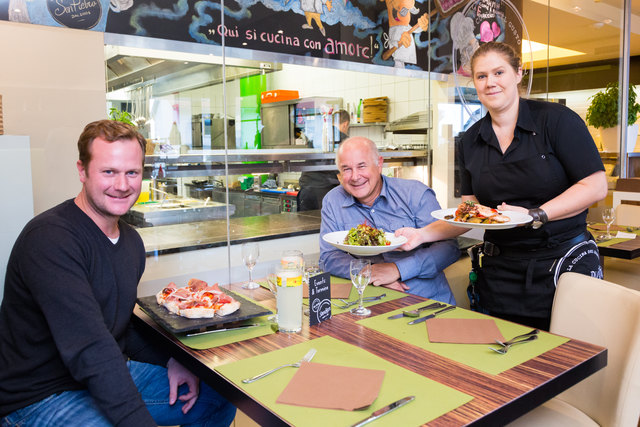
(77, 14)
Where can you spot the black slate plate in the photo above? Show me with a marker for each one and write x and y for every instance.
(177, 324)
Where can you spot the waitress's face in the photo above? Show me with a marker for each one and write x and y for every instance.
(496, 82)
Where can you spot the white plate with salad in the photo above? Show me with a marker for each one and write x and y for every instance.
(336, 239)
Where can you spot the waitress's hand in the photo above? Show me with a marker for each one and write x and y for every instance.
(506, 207)
(413, 235)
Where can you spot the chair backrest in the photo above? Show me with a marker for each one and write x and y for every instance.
(605, 314)
(628, 215)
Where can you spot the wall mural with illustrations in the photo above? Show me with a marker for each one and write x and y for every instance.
(411, 34)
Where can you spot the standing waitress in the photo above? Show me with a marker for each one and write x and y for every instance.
(529, 156)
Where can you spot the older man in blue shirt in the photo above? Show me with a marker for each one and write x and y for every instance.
(387, 203)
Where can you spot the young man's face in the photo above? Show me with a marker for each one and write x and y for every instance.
(113, 178)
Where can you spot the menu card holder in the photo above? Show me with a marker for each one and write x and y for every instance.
(319, 298)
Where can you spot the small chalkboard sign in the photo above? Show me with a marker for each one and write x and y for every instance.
(319, 298)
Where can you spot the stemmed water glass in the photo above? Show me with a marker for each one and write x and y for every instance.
(250, 254)
(608, 216)
(360, 270)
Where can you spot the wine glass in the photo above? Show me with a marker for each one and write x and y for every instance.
(360, 270)
(250, 253)
(608, 216)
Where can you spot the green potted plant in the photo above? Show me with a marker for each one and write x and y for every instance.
(121, 116)
(603, 114)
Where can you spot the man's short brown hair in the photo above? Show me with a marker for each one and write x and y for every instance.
(109, 130)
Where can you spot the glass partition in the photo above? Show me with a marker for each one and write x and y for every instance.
(233, 125)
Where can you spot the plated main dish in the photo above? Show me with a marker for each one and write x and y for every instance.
(365, 235)
(196, 300)
(364, 240)
(476, 213)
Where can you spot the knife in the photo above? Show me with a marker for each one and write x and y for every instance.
(225, 329)
(432, 315)
(426, 307)
(383, 411)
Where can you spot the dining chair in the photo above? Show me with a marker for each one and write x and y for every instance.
(628, 215)
(605, 314)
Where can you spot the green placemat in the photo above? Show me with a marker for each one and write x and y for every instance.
(217, 339)
(611, 242)
(369, 291)
(432, 398)
(477, 356)
(615, 240)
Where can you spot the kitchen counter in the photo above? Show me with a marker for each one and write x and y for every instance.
(168, 239)
(175, 211)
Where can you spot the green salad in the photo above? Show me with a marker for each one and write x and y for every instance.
(365, 235)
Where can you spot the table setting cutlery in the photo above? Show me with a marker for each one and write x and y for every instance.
(253, 325)
(507, 346)
(307, 358)
(385, 410)
(416, 312)
(432, 315)
(347, 304)
(518, 337)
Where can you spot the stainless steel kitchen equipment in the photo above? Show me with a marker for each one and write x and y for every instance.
(300, 123)
(176, 211)
(208, 132)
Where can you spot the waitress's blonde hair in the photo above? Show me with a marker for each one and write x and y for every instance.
(509, 54)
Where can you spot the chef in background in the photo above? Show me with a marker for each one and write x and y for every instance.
(315, 184)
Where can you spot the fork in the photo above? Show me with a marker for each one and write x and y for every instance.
(307, 358)
(348, 304)
(516, 338)
(506, 348)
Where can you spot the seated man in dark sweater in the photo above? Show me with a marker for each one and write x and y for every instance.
(69, 352)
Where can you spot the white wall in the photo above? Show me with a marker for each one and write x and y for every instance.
(210, 265)
(15, 173)
(52, 84)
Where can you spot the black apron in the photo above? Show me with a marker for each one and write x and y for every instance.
(520, 269)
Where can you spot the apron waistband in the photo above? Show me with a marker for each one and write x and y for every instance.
(491, 249)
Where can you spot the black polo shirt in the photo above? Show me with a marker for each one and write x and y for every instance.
(551, 150)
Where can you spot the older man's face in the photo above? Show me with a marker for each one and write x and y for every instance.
(360, 172)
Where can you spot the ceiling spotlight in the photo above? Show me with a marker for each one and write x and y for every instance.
(577, 9)
(607, 21)
(598, 24)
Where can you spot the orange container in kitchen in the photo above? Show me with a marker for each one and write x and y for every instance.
(278, 95)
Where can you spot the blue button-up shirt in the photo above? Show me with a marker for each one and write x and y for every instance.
(401, 203)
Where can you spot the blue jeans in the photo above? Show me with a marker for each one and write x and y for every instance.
(77, 408)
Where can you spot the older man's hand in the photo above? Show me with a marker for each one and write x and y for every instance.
(397, 286)
(384, 274)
